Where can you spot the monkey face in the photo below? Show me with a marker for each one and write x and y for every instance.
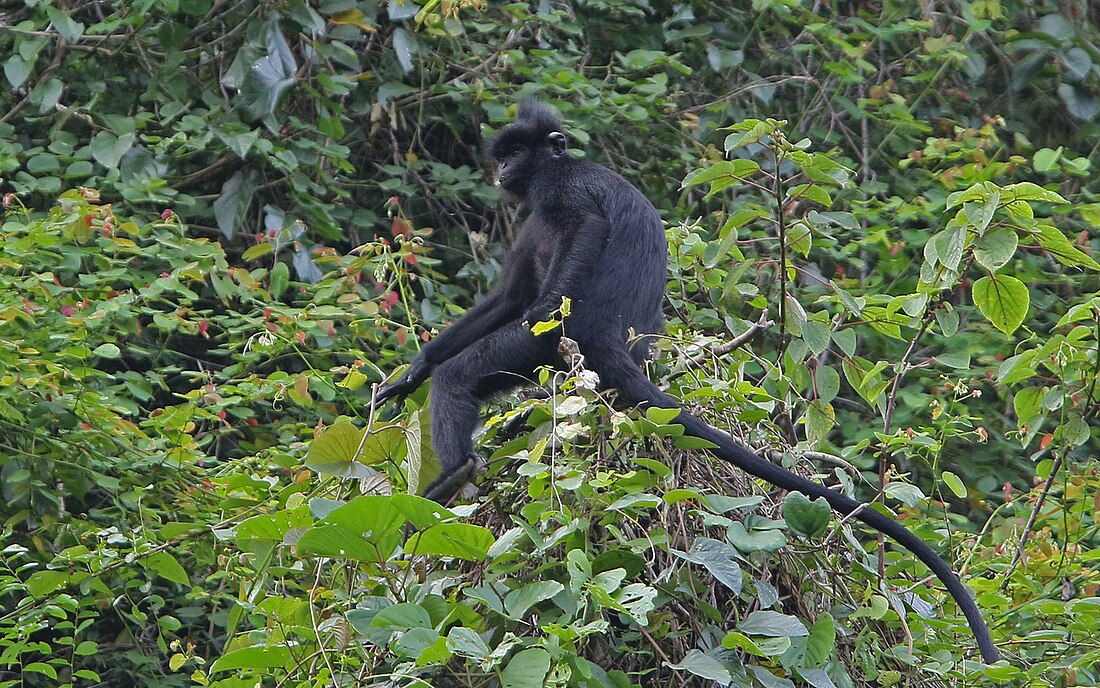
(514, 171)
(527, 147)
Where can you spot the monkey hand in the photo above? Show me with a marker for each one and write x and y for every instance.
(404, 385)
(537, 314)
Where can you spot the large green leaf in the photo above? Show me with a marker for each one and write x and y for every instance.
(1003, 300)
(1052, 239)
(166, 566)
(754, 540)
(108, 149)
(769, 623)
(269, 77)
(721, 174)
(720, 560)
(343, 451)
(822, 640)
(703, 665)
(231, 206)
(341, 542)
(996, 248)
(517, 602)
(42, 583)
(527, 669)
(253, 658)
(459, 540)
(806, 516)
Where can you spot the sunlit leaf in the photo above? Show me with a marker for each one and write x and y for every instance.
(460, 540)
(1002, 299)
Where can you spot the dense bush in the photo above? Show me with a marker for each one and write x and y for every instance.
(224, 221)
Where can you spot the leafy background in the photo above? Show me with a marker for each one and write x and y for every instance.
(224, 221)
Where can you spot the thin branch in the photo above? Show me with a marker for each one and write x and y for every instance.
(736, 343)
(55, 63)
(903, 369)
(208, 171)
(832, 460)
(767, 82)
(780, 201)
(1031, 519)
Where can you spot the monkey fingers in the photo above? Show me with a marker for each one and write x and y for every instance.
(445, 487)
(403, 386)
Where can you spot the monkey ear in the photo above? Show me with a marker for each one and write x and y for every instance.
(557, 143)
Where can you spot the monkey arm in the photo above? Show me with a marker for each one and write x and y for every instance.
(572, 267)
(503, 304)
(494, 311)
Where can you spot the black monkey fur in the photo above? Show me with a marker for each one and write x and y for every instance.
(592, 236)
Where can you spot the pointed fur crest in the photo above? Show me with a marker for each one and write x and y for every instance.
(539, 116)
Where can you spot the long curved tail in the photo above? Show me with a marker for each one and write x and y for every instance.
(618, 371)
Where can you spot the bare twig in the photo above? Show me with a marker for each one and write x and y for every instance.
(891, 402)
(775, 456)
(736, 343)
(780, 201)
(832, 460)
(903, 369)
(764, 83)
(208, 171)
(1031, 519)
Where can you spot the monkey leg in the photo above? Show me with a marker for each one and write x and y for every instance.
(498, 362)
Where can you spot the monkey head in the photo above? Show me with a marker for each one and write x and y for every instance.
(527, 147)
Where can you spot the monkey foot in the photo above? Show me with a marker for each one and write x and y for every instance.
(447, 485)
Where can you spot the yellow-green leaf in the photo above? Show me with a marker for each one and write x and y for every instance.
(1003, 300)
(952, 481)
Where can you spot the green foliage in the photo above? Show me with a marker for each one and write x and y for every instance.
(897, 283)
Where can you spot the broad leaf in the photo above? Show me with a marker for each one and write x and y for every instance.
(269, 77)
(769, 623)
(519, 601)
(231, 206)
(458, 540)
(253, 658)
(108, 149)
(1052, 239)
(705, 666)
(527, 669)
(1003, 300)
(804, 516)
(996, 248)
